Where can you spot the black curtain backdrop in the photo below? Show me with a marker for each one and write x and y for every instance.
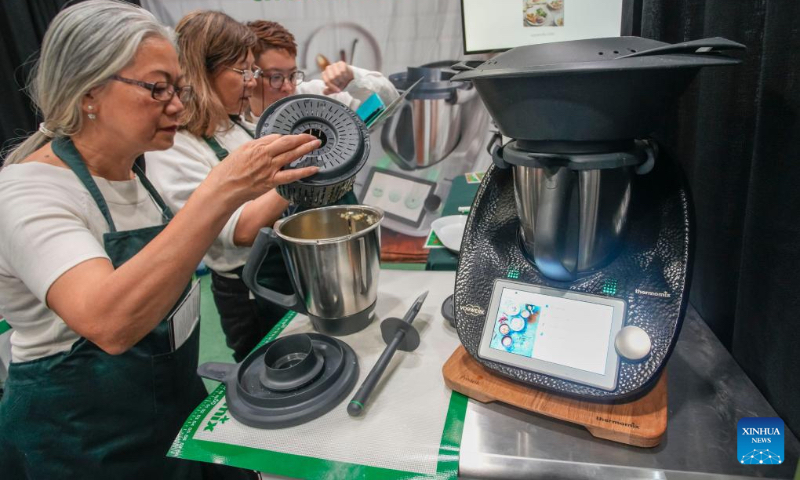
(736, 133)
(22, 27)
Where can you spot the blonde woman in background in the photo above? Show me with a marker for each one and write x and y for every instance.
(92, 262)
(217, 58)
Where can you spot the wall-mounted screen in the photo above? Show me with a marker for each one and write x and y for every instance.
(503, 24)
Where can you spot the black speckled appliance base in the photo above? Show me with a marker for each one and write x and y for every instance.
(652, 274)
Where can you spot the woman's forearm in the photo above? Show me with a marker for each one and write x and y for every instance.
(117, 308)
(127, 303)
(261, 212)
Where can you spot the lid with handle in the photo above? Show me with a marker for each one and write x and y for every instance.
(601, 54)
(590, 91)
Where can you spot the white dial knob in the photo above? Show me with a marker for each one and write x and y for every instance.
(633, 343)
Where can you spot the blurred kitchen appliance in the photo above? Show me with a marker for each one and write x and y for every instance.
(429, 123)
(437, 133)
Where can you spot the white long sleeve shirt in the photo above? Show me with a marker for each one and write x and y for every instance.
(363, 84)
(177, 172)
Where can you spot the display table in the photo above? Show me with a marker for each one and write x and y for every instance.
(412, 424)
(707, 394)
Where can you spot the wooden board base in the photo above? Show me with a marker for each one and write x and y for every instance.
(641, 422)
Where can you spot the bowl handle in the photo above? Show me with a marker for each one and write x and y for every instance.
(264, 240)
(495, 150)
(466, 65)
(705, 45)
(389, 139)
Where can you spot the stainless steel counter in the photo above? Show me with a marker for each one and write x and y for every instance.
(707, 394)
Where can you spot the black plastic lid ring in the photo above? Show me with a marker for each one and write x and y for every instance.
(343, 152)
(290, 363)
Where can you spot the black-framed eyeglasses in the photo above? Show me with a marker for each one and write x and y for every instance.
(161, 91)
(276, 80)
(248, 75)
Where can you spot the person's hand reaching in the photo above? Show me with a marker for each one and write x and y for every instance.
(336, 77)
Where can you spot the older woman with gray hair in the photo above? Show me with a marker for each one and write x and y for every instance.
(95, 269)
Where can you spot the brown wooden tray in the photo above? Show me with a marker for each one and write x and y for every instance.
(641, 422)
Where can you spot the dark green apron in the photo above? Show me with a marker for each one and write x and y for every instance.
(88, 414)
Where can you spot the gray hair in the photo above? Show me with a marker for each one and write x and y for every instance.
(84, 45)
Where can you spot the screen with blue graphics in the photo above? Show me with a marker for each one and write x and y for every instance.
(565, 332)
(760, 441)
(561, 333)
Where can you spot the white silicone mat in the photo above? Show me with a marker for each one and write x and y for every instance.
(402, 428)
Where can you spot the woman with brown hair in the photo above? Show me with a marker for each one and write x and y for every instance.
(217, 59)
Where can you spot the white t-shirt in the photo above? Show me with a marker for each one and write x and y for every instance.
(49, 223)
(177, 172)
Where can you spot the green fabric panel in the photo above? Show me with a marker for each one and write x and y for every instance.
(402, 266)
(384, 163)
(4, 327)
(461, 194)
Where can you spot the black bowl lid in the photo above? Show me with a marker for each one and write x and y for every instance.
(602, 54)
(255, 404)
(435, 81)
(345, 139)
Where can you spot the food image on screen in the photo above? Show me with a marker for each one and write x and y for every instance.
(561, 331)
(542, 13)
(515, 334)
(517, 324)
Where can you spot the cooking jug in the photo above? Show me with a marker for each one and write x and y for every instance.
(573, 208)
(332, 255)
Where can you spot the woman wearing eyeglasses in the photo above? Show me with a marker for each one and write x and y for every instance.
(95, 268)
(217, 59)
(275, 55)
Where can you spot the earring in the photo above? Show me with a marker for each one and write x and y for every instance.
(91, 115)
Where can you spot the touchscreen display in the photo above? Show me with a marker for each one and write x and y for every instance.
(398, 195)
(562, 331)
